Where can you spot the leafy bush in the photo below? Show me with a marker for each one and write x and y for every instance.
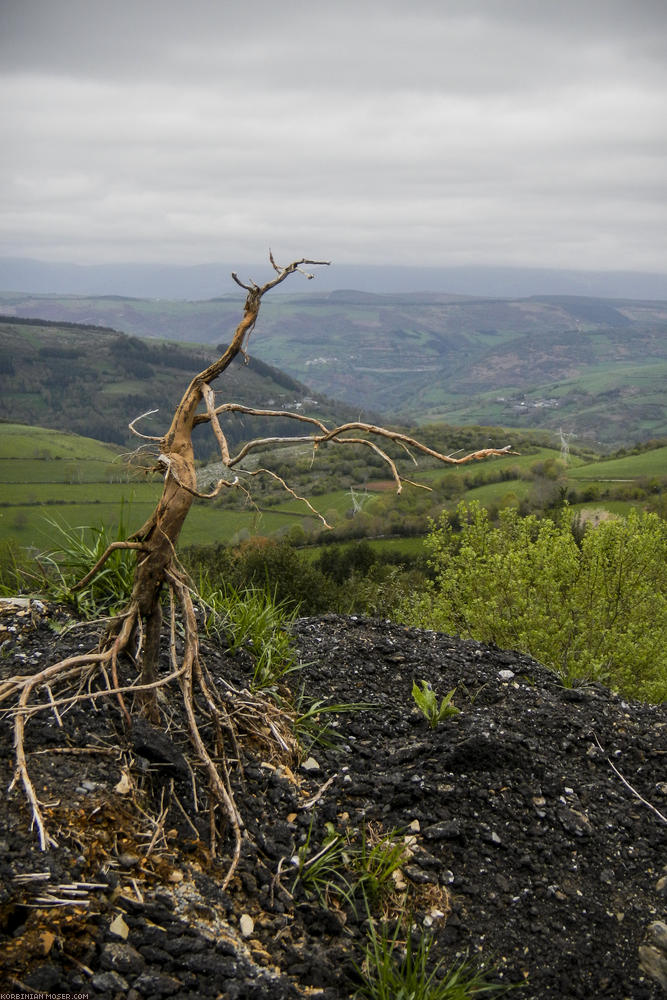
(261, 563)
(348, 579)
(594, 610)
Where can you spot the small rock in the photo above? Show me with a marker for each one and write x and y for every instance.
(449, 829)
(654, 963)
(420, 877)
(119, 928)
(506, 675)
(128, 860)
(46, 939)
(575, 822)
(398, 879)
(112, 982)
(658, 934)
(152, 984)
(310, 765)
(120, 957)
(124, 786)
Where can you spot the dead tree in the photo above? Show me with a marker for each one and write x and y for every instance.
(137, 630)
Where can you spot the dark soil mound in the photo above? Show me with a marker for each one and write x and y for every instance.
(528, 849)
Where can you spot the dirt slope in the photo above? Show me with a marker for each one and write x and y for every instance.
(527, 847)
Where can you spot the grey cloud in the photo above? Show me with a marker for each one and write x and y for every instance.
(440, 131)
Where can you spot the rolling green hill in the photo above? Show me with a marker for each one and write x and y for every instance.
(592, 366)
(93, 381)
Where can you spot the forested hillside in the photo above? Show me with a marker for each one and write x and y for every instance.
(93, 381)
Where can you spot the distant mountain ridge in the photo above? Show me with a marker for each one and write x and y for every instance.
(202, 281)
(594, 367)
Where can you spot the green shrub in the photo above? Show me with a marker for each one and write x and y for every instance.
(261, 563)
(594, 610)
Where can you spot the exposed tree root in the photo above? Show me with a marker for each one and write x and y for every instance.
(51, 690)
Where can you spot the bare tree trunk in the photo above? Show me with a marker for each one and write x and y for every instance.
(159, 536)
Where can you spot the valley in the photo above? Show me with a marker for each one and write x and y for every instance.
(69, 391)
(594, 367)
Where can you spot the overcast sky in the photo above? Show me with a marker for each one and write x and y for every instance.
(496, 132)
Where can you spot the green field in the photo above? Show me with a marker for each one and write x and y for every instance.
(648, 463)
(18, 441)
(48, 476)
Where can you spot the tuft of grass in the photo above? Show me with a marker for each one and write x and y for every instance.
(377, 857)
(311, 725)
(426, 700)
(325, 874)
(77, 551)
(15, 574)
(393, 971)
(253, 620)
(350, 865)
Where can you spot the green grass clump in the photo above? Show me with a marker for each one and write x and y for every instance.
(393, 972)
(351, 865)
(16, 571)
(252, 620)
(311, 721)
(77, 551)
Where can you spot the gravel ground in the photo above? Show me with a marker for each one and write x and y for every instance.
(528, 851)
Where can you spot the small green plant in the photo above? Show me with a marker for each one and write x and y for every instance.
(326, 874)
(426, 700)
(253, 620)
(78, 549)
(351, 865)
(393, 972)
(376, 859)
(311, 725)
